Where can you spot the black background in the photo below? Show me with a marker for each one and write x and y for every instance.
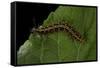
(26, 15)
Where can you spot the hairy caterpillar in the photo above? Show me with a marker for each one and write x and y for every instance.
(59, 27)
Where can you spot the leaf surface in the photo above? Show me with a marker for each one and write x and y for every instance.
(60, 46)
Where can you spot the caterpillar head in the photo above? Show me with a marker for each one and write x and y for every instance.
(40, 27)
(33, 30)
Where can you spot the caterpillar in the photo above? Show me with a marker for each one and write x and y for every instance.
(60, 27)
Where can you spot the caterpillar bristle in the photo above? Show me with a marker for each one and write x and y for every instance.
(65, 27)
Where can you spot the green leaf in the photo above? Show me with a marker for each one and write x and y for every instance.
(60, 46)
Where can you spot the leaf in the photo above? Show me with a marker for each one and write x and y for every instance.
(60, 46)
(32, 55)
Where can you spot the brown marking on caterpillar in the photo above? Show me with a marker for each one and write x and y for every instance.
(60, 27)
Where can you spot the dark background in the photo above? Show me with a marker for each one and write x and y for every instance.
(26, 15)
